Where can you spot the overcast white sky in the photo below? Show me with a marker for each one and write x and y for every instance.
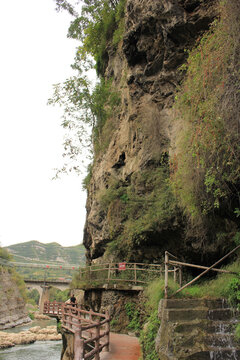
(35, 53)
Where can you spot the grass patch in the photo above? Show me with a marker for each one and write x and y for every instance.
(221, 286)
(148, 336)
(18, 280)
(31, 315)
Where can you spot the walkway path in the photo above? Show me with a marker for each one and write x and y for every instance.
(122, 347)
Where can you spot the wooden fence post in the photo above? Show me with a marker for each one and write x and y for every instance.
(70, 319)
(97, 341)
(175, 274)
(90, 315)
(135, 274)
(63, 314)
(109, 272)
(78, 346)
(180, 276)
(166, 275)
(107, 329)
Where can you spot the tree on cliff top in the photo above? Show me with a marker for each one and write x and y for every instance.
(86, 107)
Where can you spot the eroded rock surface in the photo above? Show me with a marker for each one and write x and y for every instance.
(144, 69)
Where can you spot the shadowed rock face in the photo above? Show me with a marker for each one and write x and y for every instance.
(144, 69)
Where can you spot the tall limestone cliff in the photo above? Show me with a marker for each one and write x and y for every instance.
(12, 305)
(132, 213)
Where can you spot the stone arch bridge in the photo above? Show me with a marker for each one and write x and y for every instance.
(43, 286)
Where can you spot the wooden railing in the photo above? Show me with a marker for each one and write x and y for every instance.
(53, 308)
(178, 266)
(135, 273)
(91, 330)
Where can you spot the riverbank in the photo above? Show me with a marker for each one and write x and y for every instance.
(36, 333)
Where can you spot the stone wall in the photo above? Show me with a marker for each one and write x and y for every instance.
(113, 301)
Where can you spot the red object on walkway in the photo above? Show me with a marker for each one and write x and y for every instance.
(122, 347)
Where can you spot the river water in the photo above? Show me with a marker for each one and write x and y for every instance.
(40, 350)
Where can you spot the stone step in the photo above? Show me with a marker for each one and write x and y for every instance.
(217, 304)
(214, 354)
(195, 303)
(197, 329)
(220, 314)
(217, 327)
(222, 341)
(222, 327)
(184, 326)
(198, 313)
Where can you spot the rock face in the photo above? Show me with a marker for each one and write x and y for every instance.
(115, 302)
(144, 69)
(12, 306)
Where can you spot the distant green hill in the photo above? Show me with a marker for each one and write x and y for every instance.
(52, 253)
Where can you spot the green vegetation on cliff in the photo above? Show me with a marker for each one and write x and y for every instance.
(100, 24)
(203, 180)
(204, 174)
(137, 211)
(205, 170)
(15, 276)
(18, 280)
(86, 108)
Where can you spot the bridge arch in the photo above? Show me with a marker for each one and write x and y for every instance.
(43, 288)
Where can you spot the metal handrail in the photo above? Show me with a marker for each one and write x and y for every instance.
(207, 269)
(112, 272)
